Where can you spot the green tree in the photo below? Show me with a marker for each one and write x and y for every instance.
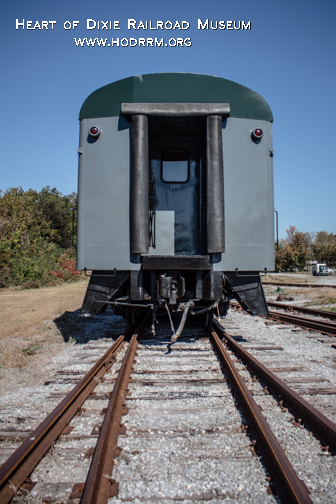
(279, 256)
(35, 236)
(57, 216)
(296, 249)
(324, 248)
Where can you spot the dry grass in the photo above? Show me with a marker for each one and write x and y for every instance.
(301, 278)
(27, 320)
(324, 298)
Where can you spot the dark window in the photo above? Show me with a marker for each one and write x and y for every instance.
(175, 166)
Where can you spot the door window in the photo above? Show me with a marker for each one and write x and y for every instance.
(175, 166)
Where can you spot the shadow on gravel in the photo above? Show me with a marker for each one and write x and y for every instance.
(163, 333)
(81, 330)
(76, 329)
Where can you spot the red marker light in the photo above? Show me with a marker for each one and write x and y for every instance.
(94, 131)
(256, 135)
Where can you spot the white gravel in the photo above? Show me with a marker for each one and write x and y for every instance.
(184, 441)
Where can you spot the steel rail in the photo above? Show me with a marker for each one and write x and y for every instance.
(23, 461)
(280, 284)
(99, 485)
(323, 327)
(290, 482)
(301, 309)
(324, 427)
(328, 328)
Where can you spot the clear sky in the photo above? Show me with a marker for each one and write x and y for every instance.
(288, 56)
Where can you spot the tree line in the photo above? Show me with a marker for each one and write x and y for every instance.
(38, 239)
(37, 236)
(298, 249)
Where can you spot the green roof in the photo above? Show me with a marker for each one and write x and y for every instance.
(176, 88)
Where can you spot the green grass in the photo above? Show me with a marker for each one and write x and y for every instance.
(323, 303)
(327, 300)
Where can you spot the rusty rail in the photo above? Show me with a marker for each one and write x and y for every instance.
(23, 461)
(324, 428)
(287, 482)
(318, 286)
(328, 328)
(301, 309)
(323, 327)
(99, 484)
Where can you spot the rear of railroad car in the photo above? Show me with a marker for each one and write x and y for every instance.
(175, 195)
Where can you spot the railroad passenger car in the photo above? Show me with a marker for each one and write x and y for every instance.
(175, 194)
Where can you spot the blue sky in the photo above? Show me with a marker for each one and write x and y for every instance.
(288, 57)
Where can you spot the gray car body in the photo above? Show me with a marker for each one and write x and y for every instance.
(104, 198)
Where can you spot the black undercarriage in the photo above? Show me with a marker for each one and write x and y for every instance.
(172, 289)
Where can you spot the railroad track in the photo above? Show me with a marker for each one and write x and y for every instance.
(306, 311)
(305, 365)
(326, 328)
(317, 286)
(181, 410)
(15, 472)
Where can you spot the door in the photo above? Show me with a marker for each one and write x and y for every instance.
(177, 157)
